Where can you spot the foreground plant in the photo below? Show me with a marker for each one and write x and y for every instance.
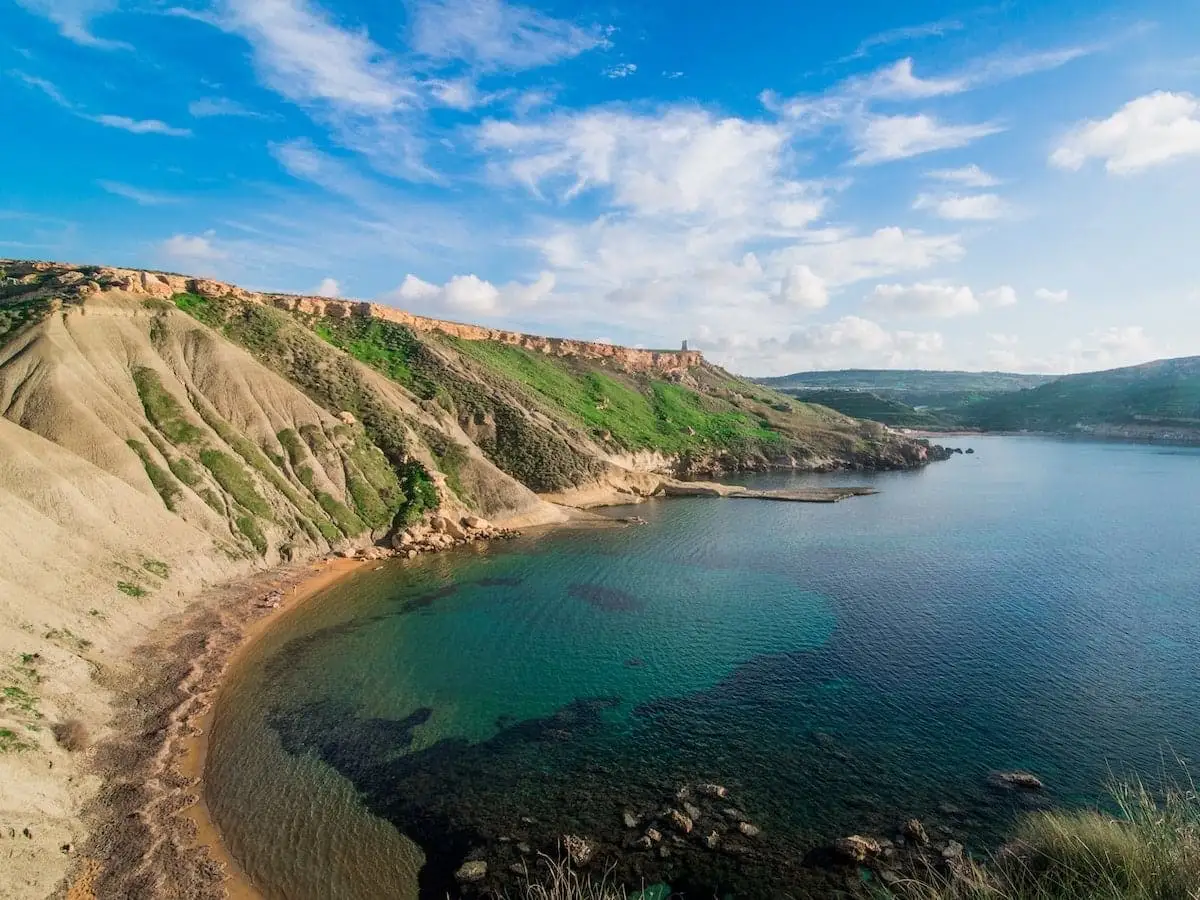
(1148, 850)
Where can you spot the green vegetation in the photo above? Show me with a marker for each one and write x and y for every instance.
(905, 384)
(167, 489)
(249, 528)
(866, 405)
(384, 346)
(235, 480)
(201, 308)
(654, 416)
(332, 380)
(183, 469)
(15, 315)
(1150, 850)
(1164, 394)
(68, 637)
(163, 410)
(156, 567)
(293, 446)
(345, 519)
(131, 589)
(11, 743)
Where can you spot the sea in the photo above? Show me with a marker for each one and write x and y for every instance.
(838, 669)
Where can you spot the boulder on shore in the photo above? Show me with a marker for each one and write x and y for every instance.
(679, 821)
(914, 831)
(856, 848)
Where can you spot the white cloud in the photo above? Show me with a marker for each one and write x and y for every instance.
(328, 288)
(1004, 295)
(1050, 296)
(74, 18)
(967, 176)
(620, 70)
(885, 138)
(939, 300)
(300, 53)
(492, 34)
(957, 207)
(887, 251)
(472, 294)
(897, 82)
(192, 248)
(46, 87)
(137, 195)
(850, 341)
(1145, 132)
(140, 126)
(1118, 346)
(802, 288)
(207, 107)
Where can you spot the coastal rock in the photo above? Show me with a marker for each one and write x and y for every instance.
(654, 834)
(473, 870)
(642, 843)
(1021, 780)
(952, 852)
(712, 839)
(693, 812)
(579, 850)
(631, 821)
(679, 821)
(749, 830)
(713, 791)
(347, 418)
(914, 831)
(476, 523)
(856, 848)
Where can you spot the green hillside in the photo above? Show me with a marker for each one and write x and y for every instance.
(912, 386)
(863, 404)
(1162, 394)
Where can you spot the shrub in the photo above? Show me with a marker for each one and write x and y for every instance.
(235, 480)
(72, 735)
(249, 528)
(131, 589)
(163, 483)
(162, 409)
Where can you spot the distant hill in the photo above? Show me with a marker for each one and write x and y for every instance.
(862, 404)
(889, 382)
(1159, 396)
(904, 398)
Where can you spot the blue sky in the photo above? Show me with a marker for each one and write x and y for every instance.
(788, 185)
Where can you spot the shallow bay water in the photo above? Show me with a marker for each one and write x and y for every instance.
(838, 667)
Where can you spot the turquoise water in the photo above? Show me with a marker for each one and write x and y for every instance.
(839, 668)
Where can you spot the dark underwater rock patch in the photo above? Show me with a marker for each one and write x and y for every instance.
(605, 598)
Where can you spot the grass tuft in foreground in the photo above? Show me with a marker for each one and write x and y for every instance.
(1148, 850)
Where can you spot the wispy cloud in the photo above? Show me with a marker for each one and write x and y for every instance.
(963, 208)
(74, 18)
(140, 126)
(887, 138)
(620, 70)
(125, 123)
(899, 35)
(967, 176)
(491, 35)
(137, 195)
(209, 107)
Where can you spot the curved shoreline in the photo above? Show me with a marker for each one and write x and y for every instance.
(150, 832)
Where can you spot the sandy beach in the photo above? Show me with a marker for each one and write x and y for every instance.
(150, 832)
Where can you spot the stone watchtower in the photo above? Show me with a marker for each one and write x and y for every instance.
(684, 349)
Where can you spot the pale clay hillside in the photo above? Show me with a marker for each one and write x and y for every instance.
(146, 456)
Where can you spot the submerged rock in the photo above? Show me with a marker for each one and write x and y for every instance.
(471, 871)
(692, 811)
(712, 839)
(749, 830)
(713, 791)
(631, 821)
(679, 821)
(1022, 780)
